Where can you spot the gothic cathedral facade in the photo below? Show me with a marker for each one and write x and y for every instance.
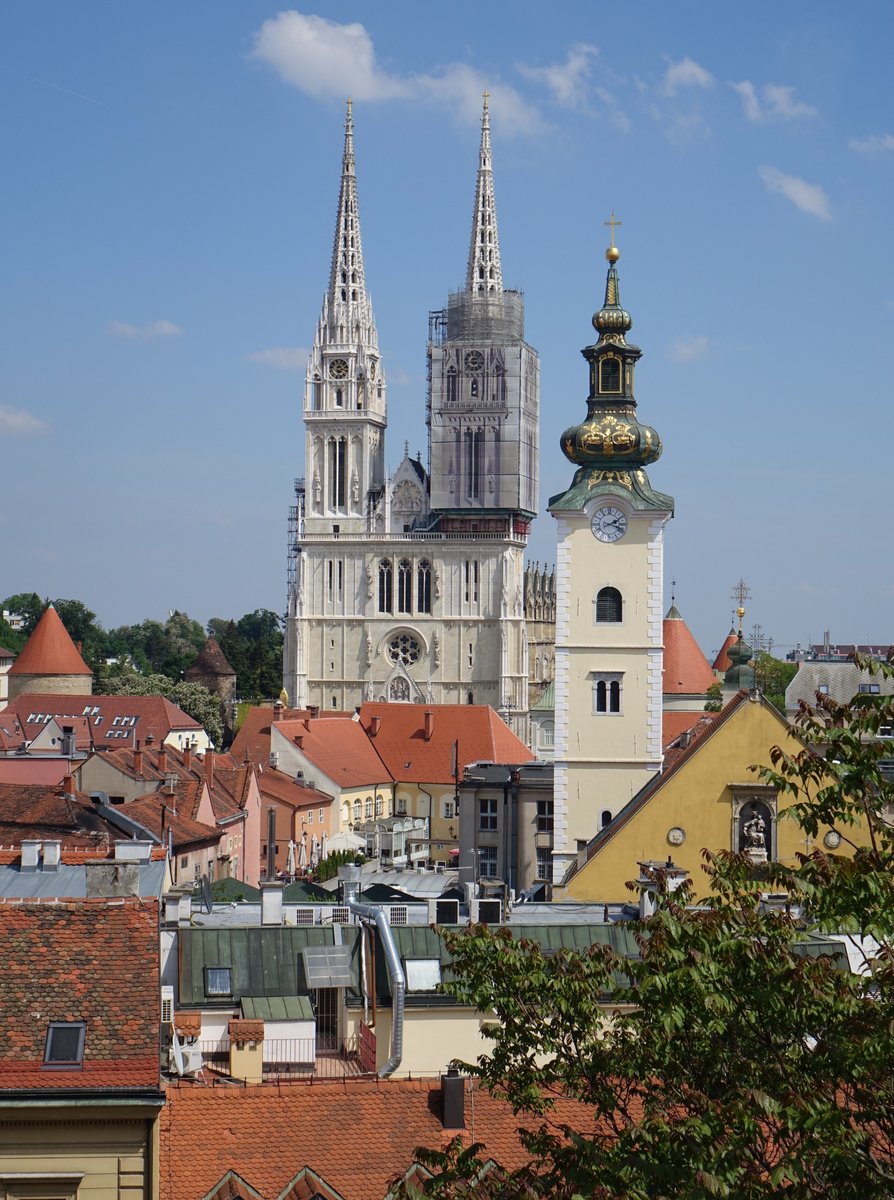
(410, 586)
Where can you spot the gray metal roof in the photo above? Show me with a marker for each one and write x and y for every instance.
(277, 1008)
(70, 882)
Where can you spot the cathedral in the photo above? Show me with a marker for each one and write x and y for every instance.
(412, 586)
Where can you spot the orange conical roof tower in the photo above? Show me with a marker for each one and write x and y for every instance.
(50, 662)
(723, 662)
(686, 670)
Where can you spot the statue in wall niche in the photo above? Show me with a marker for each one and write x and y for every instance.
(755, 832)
(318, 491)
(369, 583)
(436, 650)
(437, 585)
(369, 650)
(355, 488)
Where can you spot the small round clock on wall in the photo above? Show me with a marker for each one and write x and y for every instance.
(609, 524)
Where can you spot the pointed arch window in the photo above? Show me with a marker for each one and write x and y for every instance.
(386, 586)
(404, 586)
(337, 472)
(610, 375)
(609, 606)
(423, 587)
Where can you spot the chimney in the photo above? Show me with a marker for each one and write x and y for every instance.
(162, 757)
(150, 739)
(209, 768)
(68, 742)
(277, 710)
(429, 727)
(52, 855)
(30, 854)
(314, 710)
(453, 1100)
(271, 901)
(299, 740)
(187, 756)
(138, 759)
(68, 784)
(374, 723)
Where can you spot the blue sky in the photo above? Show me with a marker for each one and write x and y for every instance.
(171, 175)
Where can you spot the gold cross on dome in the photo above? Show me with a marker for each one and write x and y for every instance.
(613, 222)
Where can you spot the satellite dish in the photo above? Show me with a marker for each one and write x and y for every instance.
(207, 898)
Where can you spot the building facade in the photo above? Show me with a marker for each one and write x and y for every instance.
(410, 587)
(609, 595)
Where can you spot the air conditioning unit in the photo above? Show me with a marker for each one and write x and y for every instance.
(446, 912)
(167, 1005)
(192, 1060)
(490, 912)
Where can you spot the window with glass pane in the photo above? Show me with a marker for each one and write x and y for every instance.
(487, 814)
(218, 981)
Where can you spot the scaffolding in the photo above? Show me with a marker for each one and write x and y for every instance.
(296, 532)
(437, 336)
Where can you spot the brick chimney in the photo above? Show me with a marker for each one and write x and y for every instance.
(374, 724)
(68, 784)
(209, 768)
(162, 759)
(277, 710)
(429, 727)
(138, 759)
(187, 756)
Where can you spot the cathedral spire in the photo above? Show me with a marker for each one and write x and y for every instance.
(484, 273)
(346, 277)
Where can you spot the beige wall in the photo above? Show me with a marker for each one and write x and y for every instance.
(113, 1153)
(433, 1037)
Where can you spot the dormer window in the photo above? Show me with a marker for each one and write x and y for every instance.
(65, 1044)
(218, 981)
(610, 375)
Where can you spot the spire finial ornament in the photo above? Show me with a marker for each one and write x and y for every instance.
(613, 253)
(484, 273)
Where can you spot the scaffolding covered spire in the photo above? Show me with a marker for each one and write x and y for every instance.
(346, 278)
(484, 272)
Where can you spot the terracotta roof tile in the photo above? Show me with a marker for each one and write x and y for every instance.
(95, 961)
(410, 755)
(339, 747)
(157, 813)
(50, 650)
(114, 720)
(210, 660)
(686, 669)
(41, 811)
(723, 662)
(252, 742)
(355, 1136)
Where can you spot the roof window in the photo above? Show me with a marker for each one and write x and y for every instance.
(218, 981)
(65, 1044)
(423, 974)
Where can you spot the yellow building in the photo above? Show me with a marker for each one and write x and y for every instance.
(707, 797)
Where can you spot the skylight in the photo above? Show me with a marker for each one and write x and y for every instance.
(65, 1044)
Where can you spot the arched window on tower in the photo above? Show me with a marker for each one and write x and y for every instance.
(609, 606)
(386, 586)
(610, 375)
(451, 385)
(423, 587)
(404, 586)
(606, 818)
(337, 473)
(606, 693)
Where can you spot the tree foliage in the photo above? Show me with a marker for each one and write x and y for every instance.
(726, 1060)
(253, 648)
(773, 676)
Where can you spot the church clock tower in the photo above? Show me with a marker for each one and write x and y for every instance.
(609, 594)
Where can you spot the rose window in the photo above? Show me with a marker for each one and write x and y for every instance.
(403, 649)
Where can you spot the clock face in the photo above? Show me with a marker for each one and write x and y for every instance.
(474, 360)
(609, 523)
(338, 368)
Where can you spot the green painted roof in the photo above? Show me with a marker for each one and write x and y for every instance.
(277, 1008)
(547, 701)
(263, 961)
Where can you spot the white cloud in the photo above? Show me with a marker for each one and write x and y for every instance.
(809, 197)
(323, 58)
(566, 81)
(283, 358)
(684, 350)
(877, 143)
(686, 73)
(774, 102)
(327, 60)
(18, 421)
(152, 329)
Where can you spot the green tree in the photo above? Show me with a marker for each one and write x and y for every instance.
(253, 648)
(196, 701)
(28, 605)
(734, 1063)
(773, 676)
(714, 701)
(151, 646)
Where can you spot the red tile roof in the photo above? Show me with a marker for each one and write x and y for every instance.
(410, 756)
(675, 723)
(252, 742)
(339, 747)
(686, 669)
(113, 719)
(95, 961)
(39, 811)
(274, 785)
(355, 1135)
(50, 650)
(157, 814)
(723, 662)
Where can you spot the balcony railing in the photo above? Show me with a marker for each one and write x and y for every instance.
(294, 1058)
